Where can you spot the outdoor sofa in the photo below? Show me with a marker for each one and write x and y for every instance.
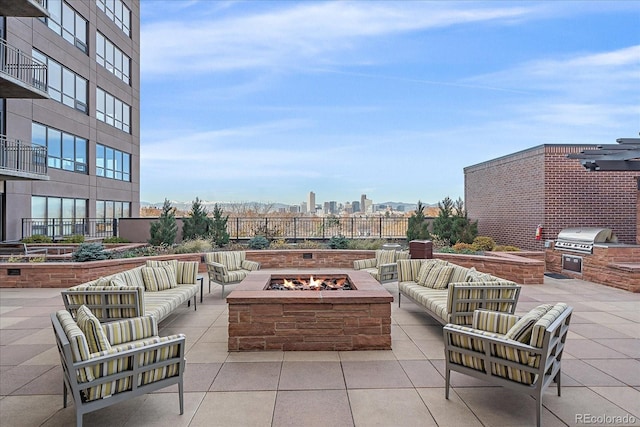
(383, 267)
(155, 289)
(450, 293)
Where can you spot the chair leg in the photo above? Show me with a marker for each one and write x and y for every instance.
(557, 380)
(181, 396)
(64, 394)
(195, 303)
(446, 383)
(539, 410)
(222, 291)
(399, 296)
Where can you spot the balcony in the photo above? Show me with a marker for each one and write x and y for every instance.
(22, 161)
(21, 76)
(24, 8)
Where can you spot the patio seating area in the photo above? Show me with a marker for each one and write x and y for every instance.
(403, 386)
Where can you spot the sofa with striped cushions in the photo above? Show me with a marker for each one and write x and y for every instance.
(522, 353)
(104, 364)
(228, 267)
(383, 267)
(155, 289)
(450, 293)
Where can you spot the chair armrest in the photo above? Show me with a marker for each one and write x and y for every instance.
(470, 338)
(128, 330)
(360, 264)
(216, 267)
(250, 265)
(387, 272)
(493, 321)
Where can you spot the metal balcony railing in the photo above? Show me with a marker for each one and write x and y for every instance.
(63, 227)
(21, 159)
(24, 68)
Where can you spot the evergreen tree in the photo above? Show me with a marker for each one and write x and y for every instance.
(443, 224)
(198, 223)
(464, 230)
(219, 233)
(164, 230)
(417, 227)
(452, 224)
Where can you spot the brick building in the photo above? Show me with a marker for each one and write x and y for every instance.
(511, 195)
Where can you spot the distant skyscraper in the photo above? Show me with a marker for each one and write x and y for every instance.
(355, 206)
(303, 207)
(312, 202)
(363, 205)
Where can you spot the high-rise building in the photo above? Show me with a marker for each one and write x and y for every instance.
(303, 207)
(355, 206)
(363, 205)
(312, 202)
(69, 115)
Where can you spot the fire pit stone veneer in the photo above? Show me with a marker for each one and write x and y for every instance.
(357, 319)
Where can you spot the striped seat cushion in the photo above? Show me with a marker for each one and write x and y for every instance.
(90, 326)
(522, 329)
(161, 304)
(78, 344)
(128, 330)
(159, 278)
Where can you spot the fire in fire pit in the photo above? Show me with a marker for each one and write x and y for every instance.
(340, 283)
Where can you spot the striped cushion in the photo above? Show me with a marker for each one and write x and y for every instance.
(425, 268)
(385, 257)
(471, 273)
(231, 259)
(521, 357)
(133, 277)
(118, 281)
(521, 331)
(159, 278)
(493, 321)
(158, 263)
(459, 274)
(408, 269)
(540, 327)
(133, 329)
(438, 276)
(77, 343)
(187, 272)
(90, 326)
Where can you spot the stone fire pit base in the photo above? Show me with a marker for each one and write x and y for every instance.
(358, 319)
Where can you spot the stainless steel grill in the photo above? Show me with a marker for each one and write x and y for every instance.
(582, 239)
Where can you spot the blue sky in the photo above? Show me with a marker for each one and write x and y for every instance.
(266, 101)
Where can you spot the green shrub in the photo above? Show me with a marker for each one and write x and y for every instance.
(164, 230)
(445, 250)
(194, 246)
(258, 242)
(75, 238)
(465, 247)
(338, 242)
(279, 244)
(366, 244)
(115, 240)
(37, 259)
(484, 243)
(506, 248)
(89, 252)
(37, 238)
(197, 224)
(310, 244)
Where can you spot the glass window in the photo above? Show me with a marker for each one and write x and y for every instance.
(109, 209)
(118, 12)
(38, 207)
(56, 216)
(111, 163)
(113, 111)
(68, 23)
(64, 150)
(64, 85)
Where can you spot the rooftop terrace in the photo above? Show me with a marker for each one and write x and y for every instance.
(403, 386)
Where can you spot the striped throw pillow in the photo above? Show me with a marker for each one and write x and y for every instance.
(438, 277)
(425, 268)
(92, 330)
(521, 331)
(187, 272)
(159, 278)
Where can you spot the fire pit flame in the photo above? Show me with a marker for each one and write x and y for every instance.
(310, 284)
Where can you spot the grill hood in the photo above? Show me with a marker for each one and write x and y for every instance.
(582, 239)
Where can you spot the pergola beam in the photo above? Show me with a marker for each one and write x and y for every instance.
(611, 157)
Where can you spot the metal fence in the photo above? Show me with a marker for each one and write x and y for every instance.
(22, 66)
(60, 228)
(301, 228)
(241, 228)
(22, 157)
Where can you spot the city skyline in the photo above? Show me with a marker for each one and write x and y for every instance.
(262, 101)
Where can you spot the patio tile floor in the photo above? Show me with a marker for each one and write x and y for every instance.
(403, 386)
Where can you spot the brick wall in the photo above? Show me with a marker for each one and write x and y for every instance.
(506, 197)
(618, 267)
(526, 268)
(511, 195)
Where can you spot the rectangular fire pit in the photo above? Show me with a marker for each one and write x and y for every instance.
(354, 319)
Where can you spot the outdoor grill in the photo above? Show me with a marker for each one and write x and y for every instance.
(582, 239)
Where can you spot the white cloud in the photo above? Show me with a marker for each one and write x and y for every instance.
(299, 35)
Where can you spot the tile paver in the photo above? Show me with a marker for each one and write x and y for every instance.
(600, 374)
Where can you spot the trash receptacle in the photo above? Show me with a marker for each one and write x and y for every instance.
(421, 249)
(392, 247)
